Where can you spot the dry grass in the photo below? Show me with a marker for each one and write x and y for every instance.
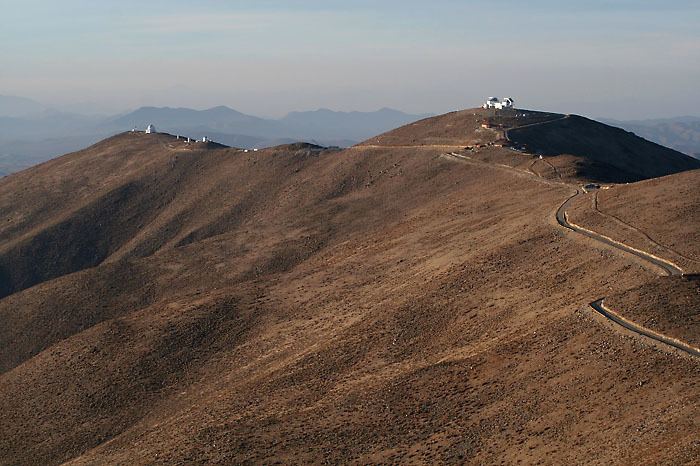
(380, 304)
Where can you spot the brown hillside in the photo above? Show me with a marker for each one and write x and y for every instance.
(452, 129)
(603, 153)
(658, 215)
(670, 305)
(386, 303)
(578, 147)
(667, 207)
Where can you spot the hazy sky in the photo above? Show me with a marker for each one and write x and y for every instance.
(616, 58)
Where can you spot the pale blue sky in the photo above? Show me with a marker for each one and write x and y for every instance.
(623, 59)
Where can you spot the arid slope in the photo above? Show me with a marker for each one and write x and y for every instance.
(386, 303)
(658, 215)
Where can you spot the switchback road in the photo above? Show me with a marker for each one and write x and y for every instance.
(668, 267)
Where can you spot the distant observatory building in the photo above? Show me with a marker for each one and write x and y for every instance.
(493, 102)
(150, 129)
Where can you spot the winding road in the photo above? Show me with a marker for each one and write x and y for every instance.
(668, 267)
(629, 325)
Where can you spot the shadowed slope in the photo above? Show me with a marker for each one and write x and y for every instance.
(75, 211)
(605, 153)
(583, 148)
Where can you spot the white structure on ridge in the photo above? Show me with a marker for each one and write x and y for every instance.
(150, 129)
(507, 103)
(493, 102)
(205, 139)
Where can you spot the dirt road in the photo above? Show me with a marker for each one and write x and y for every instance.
(613, 316)
(666, 266)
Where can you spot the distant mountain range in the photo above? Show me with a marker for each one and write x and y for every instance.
(680, 133)
(319, 126)
(12, 106)
(31, 133)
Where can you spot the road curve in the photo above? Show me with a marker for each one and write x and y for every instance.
(609, 314)
(668, 267)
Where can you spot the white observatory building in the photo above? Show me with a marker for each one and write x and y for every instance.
(150, 129)
(493, 102)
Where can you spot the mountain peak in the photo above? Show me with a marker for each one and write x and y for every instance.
(584, 148)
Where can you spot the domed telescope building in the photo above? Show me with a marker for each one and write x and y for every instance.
(493, 102)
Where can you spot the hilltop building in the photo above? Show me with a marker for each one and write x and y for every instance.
(507, 103)
(150, 129)
(493, 102)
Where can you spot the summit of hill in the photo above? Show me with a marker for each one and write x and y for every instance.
(578, 146)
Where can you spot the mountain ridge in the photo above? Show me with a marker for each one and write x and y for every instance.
(385, 303)
(28, 137)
